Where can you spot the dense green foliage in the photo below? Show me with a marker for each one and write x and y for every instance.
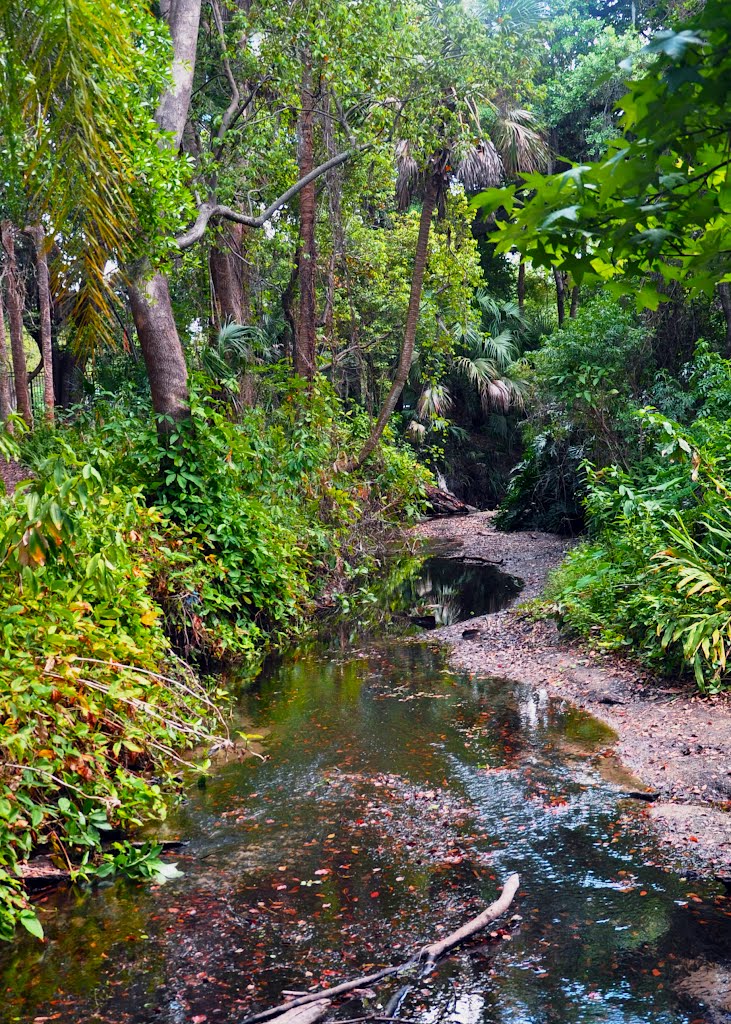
(658, 200)
(122, 555)
(653, 577)
(259, 219)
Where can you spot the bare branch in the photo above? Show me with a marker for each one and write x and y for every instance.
(209, 210)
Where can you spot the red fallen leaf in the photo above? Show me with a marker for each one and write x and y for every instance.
(643, 892)
(375, 894)
(656, 973)
(692, 839)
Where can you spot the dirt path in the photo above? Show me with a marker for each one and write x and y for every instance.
(676, 743)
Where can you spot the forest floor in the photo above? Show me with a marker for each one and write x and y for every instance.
(11, 473)
(674, 741)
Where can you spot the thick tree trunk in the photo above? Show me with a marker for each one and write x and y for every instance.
(15, 319)
(149, 293)
(183, 19)
(521, 285)
(161, 348)
(305, 350)
(229, 276)
(44, 309)
(67, 378)
(575, 294)
(412, 322)
(5, 405)
(560, 280)
(724, 294)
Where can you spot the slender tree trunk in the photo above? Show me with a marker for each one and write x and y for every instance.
(724, 294)
(149, 293)
(412, 322)
(229, 276)
(575, 294)
(5, 405)
(521, 285)
(161, 349)
(334, 186)
(15, 319)
(44, 309)
(560, 279)
(305, 351)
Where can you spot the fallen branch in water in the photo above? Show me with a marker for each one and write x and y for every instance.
(427, 956)
(436, 950)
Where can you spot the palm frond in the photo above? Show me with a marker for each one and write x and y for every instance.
(480, 167)
(407, 175)
(78, 139)
(517, 135)
(434, 402)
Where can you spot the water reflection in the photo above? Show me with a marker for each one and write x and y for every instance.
(448, 591)
(395, 797)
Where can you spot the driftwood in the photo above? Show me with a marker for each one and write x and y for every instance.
(476, 558)
(432, 953)
(442, 503)
(305, 1014)
(318, 1003)
(330, 993)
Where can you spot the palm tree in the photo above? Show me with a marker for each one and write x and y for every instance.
(476, 166)
(487, 353)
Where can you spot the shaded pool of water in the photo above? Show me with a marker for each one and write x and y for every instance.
(395, 796)
(448, 591)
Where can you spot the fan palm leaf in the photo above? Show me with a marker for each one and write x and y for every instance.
(517, 135)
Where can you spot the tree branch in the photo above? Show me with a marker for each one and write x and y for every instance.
(209, 210)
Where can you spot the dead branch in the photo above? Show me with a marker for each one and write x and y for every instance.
(304, 1014)
(437, 949)
(427, 957)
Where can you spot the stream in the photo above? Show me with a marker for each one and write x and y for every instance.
(394, 798)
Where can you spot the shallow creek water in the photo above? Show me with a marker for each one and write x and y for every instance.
(395, 797)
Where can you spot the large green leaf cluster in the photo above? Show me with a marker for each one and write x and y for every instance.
(658, 201)
(656, 575)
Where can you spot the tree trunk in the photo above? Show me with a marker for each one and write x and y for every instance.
(521, 286)
(183, 19)
(560, 280)
(575, 293)
(44, 309)
(305, 350)
(412, 322)
(229, 276)
(161, 348)
(15, 318)
(149, 293)
(5, 405)
(724, 294)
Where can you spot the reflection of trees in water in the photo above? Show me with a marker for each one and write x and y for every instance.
(452, 591)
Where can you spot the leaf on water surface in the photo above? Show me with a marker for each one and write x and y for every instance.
(164, 872)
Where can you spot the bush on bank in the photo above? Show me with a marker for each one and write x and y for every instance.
(123, 553)
(655, 573)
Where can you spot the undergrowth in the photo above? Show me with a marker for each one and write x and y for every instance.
(654, 577)
(129, 549)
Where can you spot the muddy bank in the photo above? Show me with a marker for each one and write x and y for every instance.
(677, 743)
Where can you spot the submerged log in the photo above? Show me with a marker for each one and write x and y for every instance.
(442, 503)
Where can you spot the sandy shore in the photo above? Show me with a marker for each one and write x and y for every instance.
(676, 743)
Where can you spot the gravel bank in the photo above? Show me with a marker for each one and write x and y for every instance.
(676, 743)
